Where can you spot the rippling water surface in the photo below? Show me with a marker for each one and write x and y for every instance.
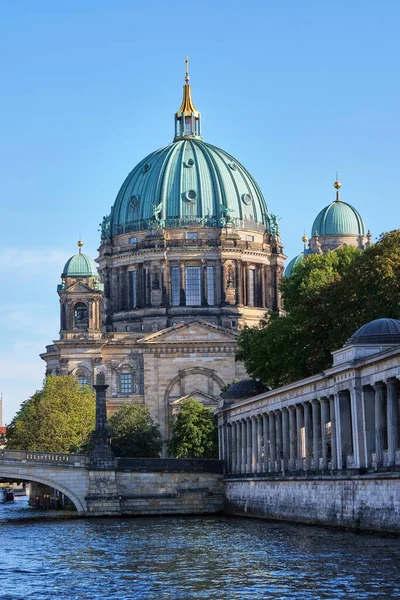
(44, 557)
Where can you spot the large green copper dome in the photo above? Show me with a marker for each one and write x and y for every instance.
(188, 183)
(80, 265)
(293, 263)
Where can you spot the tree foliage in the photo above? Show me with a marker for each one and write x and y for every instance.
(58, 418)
(134, 434)
(327, 298)
(194, 432)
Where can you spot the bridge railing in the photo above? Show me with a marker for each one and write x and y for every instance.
(25, 456)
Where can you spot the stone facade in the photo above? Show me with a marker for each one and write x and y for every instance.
(325, 449)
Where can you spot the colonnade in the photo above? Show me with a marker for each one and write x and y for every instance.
(351, 428)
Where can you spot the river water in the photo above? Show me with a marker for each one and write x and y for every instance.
(55, 556)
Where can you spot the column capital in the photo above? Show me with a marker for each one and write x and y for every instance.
(315, 401)
(324, 400)
(391, 381)
(378, 385)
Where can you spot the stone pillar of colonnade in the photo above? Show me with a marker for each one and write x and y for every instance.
(259, 442)
(248, 445)
(308, 432)
(368, 394)
(243, 427)
(254, 426)
(325, 419)
(278, 440)
(344, 428)
(316, 416)
(332, 410)
(300, 432)
(233, 448)
(272, 441)
(285, 439)
(238, 469)
(392, 419)
(220, 443)
(379, 388)
(265, 443)
(292, 438)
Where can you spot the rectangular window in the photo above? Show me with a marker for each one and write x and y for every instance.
(126, 383)
(250, 238)
(251, 287)
(132, 240)
(210, 286)
(133, 289)
(193, 288)
(175, 286)
(192, 235)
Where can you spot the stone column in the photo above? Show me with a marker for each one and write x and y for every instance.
(278, 428)
(254, 435)
(316, 414)
(265, 443)
(220, 443)
(244, 445)
(292, 438)
(285, 439)
(233, 447)
(332, 411)
(203, 282)
(259, 443)
(263, 291)
(238, 447)
(223, 282)
(244, 279)
(379, 421)
(308, 434)
(392, 419)
(272, 441)
(299, 427)
(324, 437)
(249, 445)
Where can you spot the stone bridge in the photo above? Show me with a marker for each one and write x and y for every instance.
(130, 487)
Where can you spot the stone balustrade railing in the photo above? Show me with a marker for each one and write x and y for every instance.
(24, 456)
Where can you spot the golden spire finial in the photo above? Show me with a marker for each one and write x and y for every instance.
(304, 239)
(80, 244)
(337, 185)
(187, 78)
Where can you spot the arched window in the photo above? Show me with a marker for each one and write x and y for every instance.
(83, 377)
(81, 316)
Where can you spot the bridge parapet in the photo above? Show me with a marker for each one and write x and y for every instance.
(24, 456)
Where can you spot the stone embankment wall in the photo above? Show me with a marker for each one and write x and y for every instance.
(157, 487)
(365, 502)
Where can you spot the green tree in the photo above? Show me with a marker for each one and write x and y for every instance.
(58, 418)
(327, 298)
(194, 432)
(134, 434)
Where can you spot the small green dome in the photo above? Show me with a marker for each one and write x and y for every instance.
(295, 261)
(189, 183)
(339, 218)
(80, 265)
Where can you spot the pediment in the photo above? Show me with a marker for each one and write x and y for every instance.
(197, 395)
(79, 287)
(194, 331)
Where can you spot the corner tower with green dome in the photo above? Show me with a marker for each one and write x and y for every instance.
(189, 235)
(338, 224)
(80, 294)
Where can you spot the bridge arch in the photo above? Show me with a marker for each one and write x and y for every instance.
(18, 475)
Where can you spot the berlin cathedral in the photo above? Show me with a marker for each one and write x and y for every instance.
(189, 255)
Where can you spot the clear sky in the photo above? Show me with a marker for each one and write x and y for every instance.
(295, 90)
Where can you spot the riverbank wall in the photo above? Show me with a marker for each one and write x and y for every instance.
(369, 502)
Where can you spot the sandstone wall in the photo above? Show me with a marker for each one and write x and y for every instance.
(370, 502)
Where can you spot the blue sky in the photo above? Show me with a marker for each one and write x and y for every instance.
(295, 90)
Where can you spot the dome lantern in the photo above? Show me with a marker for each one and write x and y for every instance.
(187, 118)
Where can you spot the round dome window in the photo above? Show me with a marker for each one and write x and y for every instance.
(191, 195)
(246, 198)
(190, 162)
(146, 168)
(233, 166)
(134, 200)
